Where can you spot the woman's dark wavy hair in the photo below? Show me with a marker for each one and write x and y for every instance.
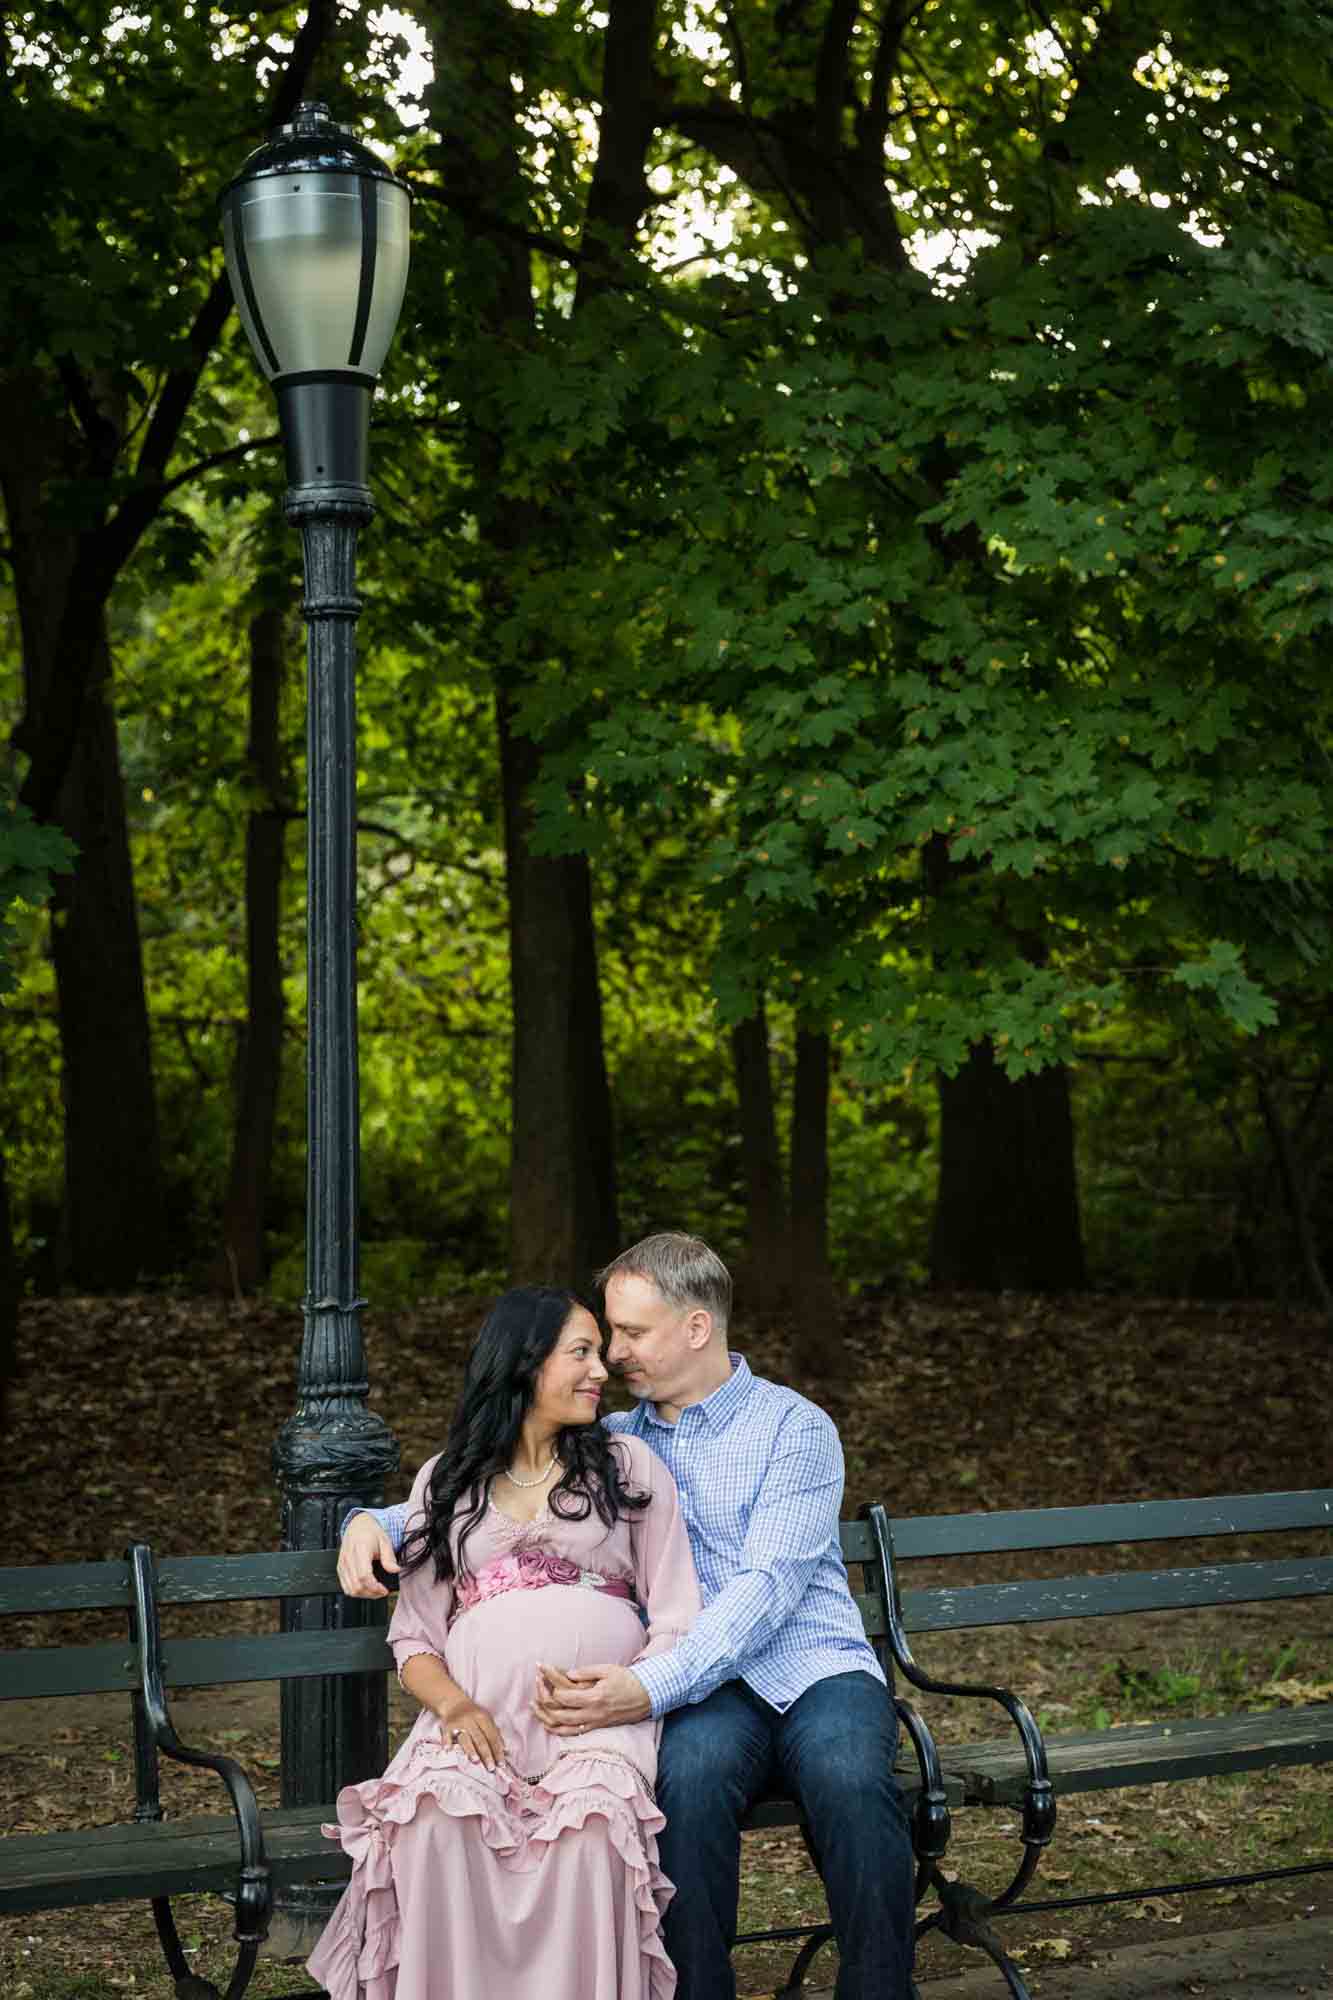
(516, 1336)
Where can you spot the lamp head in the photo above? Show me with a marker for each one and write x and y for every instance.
(316, 233)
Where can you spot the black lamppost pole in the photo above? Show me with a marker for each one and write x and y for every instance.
(316, 234)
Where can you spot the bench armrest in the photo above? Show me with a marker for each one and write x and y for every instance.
(1038, 1795)
(931, 1821)
(254, 1889)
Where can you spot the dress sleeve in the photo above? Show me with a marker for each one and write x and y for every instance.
(420, 1623)
(664, 1576)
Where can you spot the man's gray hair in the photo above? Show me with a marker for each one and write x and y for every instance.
(683, 1268)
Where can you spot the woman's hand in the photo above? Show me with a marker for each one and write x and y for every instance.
(469, 1727)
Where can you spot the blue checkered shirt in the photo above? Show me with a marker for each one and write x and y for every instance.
(760, 1474)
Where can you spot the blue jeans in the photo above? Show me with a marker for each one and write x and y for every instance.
(833, 1751)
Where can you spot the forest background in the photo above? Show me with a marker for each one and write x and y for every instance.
(844, 733)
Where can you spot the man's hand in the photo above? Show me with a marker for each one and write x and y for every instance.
(589, 1698)
(365, 1544)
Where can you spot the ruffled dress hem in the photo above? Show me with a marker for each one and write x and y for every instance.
(518, 1819)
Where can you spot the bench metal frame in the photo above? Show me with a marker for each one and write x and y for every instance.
(161, 1858)
(250, 1854)
(991, 1775)
(246, 1857)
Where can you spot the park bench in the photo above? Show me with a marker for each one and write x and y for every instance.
(999, 1773)
(247, 1855)
(250, 1856)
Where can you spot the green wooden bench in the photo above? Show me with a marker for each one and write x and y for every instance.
(246, 1855)
(999, 1773)
(249, 1856)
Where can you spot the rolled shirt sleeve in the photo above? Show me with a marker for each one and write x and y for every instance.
(794, 1515)
(393, 1520)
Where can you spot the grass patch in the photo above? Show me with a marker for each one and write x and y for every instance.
(1198, 1685)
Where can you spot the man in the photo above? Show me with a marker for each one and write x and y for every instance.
(776, 1684)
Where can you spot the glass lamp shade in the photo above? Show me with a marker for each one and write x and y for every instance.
(316, 233)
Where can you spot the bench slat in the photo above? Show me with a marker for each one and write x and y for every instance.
(872, 1614)
(1127, 1521)
(1147, 1753)
(278, 1656)
(60, 1670)
(180, 1580)
(64, 1587)
(172, 1858)
(285, 1573)
(856, 1541)
(261, 1656)
(1112, 1594)
(75, 1866)
(227, 1579)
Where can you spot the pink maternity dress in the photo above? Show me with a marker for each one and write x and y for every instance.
(539, 1880)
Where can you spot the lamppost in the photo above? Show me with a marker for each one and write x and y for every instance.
(316, 229)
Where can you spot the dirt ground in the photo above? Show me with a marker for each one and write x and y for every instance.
(153, 1418)
(1286, 1962)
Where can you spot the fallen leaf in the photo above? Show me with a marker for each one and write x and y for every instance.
(1053, 1947)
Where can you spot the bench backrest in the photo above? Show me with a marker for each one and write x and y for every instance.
(358, 1645)
(355, 1647)
(1113, 1590)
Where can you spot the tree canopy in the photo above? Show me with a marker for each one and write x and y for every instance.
(866, 458)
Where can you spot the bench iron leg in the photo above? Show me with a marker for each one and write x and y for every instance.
(795, 1987)
(964, 1916)
(154, 1734)
(188, 1984)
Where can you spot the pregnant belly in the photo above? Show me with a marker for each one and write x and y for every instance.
(495, 1649)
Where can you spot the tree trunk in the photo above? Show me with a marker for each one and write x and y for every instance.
(259, 1066)
(562, 1213)
(1006, 1212)
(765, 1274)
(1295, 1189)
(114, 1224)
(62, 424)
(600, 1228)
(817, 1345)
(9, 1300)
(562, 1163)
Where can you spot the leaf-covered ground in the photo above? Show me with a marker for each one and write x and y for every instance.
(153, 1418)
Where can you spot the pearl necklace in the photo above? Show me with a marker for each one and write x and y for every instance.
(540, 1480)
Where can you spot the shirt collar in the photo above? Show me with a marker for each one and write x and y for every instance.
(718, 1409)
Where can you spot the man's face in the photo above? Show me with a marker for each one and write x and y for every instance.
(650, 1346)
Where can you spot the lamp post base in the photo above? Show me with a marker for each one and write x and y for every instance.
(295, 1929)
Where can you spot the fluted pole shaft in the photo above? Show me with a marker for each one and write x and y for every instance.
(333, 1453)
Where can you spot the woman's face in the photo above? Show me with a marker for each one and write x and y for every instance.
(568, 1389)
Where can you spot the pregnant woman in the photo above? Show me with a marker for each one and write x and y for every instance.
(492, 1857)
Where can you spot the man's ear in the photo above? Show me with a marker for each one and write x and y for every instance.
(699, 1327)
